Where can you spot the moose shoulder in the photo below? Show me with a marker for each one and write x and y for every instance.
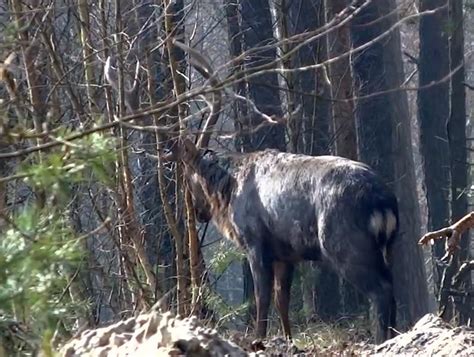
(284, 208)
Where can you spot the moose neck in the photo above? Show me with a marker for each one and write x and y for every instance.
(214, 176)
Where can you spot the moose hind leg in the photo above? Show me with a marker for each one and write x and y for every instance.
(262, 276)
(376, 283)
(382, 301)
(283, 274)
(393, 317)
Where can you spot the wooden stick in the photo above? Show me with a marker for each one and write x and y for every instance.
(453, 233)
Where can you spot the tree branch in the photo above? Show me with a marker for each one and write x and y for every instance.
(453, 233)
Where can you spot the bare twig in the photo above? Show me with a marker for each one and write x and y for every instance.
(464, 270)
(453, 233)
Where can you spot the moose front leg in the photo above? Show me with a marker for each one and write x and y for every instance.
(262, 276)
(283, 275)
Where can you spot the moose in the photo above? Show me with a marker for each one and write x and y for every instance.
(284, 208)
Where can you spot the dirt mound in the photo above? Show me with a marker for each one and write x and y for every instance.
(152, 334)
(431, 336)
(161, 334)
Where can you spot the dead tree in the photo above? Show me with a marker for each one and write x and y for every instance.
(284, 208)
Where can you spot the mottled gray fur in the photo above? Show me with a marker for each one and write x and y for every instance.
(284, 208)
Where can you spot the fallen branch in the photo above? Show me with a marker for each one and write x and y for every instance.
(453, 233)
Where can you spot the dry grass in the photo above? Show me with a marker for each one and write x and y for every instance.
(333, 335)
(344, 336)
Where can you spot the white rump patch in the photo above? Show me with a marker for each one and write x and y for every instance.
(386, 223)
(376, 223)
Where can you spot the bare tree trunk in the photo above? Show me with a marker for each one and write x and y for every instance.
(8, 80)
(456, 128)
(194, 255)
(130, 230)
(87, 53)
(316, 107)
(3, 185)
(433, 114)
(29, 53)
(285, 16)
(341, 85)
(257, 28)
(379, 67)
(146, 180)
(119, 295)
(173, 13)
(235, 40)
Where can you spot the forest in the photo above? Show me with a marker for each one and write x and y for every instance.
(128, 130)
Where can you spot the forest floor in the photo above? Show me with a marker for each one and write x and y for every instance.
(161, 334)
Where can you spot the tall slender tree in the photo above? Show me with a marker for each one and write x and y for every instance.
(456, 130)
(173, 11)
(433, 115)
(311, 87)
(341, 85)
(257, 29)
(234, 35)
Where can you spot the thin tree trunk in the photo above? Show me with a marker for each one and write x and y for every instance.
(294, 119)
(29, 52)
(316, 139)
(241, 120)
(257, 28)
(107, 284)
(6, 78)
(341, 85)
(173, 13)
(433, 115)
(457, 148)
(3, 186)
(146, 186)
(194, 261)
(87, 53)
(235, 39)
(130, 229)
